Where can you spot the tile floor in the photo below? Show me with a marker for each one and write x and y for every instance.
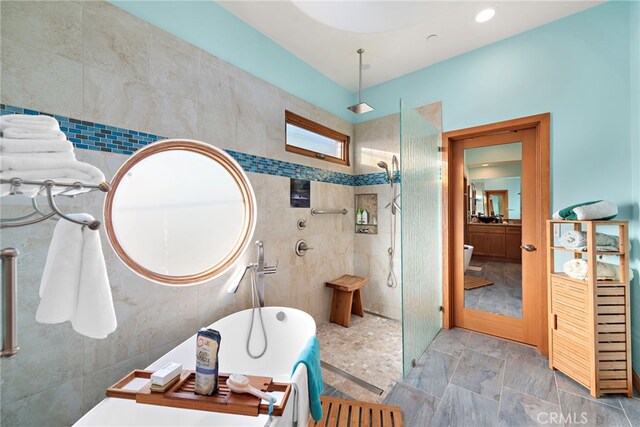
(469, 379)
(504, 296)
(369, 349)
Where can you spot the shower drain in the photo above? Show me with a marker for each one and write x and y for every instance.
(362, 383)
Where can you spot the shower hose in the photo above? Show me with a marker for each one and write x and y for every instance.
(392, 280)
(255, 305)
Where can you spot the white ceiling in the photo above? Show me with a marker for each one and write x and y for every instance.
(391, 53)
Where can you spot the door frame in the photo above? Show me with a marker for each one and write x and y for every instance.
(505, 200)
(541, 123)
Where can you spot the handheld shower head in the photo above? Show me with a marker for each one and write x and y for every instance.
(383, 165)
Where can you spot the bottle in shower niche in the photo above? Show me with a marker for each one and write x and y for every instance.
(359, 217)
(365, 217)
(207, 347)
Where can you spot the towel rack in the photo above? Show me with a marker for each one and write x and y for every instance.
(315, 211)
(47, 187)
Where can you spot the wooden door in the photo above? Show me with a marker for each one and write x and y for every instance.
(496, 243)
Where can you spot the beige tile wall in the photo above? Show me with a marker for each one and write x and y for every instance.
(92, 61)
(378, 140)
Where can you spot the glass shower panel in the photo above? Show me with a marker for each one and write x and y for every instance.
(421, 233)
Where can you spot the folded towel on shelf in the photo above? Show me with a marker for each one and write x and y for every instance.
(310, 357)
(74, 172)
(75, 286)
(579, 269)
(12, 145)
(33, 133)
(27, 120)
(575, 239)
(26, 163)
(588, 211)
(58, 155)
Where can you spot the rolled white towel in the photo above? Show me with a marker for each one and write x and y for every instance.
(12, 145)
(75, 286)
(575, 239)
(59, 155)
(33, 133)
(579, 269)
(599, 210)
(39, 121)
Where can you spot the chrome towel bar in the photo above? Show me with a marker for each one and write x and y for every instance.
(46, 188)
(315, 211)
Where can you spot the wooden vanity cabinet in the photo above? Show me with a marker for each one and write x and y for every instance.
(496, 241)
(513, 241)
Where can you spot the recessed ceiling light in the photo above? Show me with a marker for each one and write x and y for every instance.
(485, 15)
(485, 164)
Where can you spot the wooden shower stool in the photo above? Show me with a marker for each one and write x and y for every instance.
(346, 299)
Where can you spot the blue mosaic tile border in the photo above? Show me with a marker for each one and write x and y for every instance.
(256, 164)
(373, 179)
(99, 137)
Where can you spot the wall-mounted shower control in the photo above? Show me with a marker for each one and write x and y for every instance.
(302, 248)
(302, 223)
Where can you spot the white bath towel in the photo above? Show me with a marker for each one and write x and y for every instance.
(591, 212)
(27, 120)
(579, 269)
(27, 163)
(33, 133)
(12, 145)
(75, 286)
(58, 155)
(302, 413)
(64, 171)
(575, 239)
(598, 210)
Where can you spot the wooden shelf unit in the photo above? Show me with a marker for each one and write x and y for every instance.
(589, 320)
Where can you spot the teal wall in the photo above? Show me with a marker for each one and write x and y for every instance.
(211, 27)
(634, 21)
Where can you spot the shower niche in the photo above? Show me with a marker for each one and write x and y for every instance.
(366, 213)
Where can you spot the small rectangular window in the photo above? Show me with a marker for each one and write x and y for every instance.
(312, 139)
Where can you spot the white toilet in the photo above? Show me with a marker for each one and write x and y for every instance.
(468, 251)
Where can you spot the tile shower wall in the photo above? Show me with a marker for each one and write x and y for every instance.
(377, 140)
(92, 61)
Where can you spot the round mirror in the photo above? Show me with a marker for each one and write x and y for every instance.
(180, 212)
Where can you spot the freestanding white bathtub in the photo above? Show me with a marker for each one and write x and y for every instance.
(286, 340)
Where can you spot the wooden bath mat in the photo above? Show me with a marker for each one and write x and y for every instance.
(471, 282)
(343, 412)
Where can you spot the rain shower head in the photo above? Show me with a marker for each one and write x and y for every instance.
(360, 107)
(383, 165)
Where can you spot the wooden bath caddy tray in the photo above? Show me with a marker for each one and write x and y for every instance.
(181, 394)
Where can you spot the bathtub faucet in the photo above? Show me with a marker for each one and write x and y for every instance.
(262, 270)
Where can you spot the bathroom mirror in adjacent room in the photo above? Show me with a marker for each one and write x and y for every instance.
(180, 212)
(493, 229)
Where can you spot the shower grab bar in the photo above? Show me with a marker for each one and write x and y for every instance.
(315, 211)
(10, 286)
